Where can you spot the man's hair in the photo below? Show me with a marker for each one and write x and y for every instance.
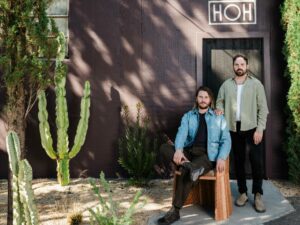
(210, 94)
(239, 56)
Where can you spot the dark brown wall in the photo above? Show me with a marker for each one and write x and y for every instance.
(150, 51)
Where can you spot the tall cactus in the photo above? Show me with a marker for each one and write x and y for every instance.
(24, 208)
(63, 154)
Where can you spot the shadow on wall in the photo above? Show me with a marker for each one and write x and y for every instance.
(131, 51)
(135, 51)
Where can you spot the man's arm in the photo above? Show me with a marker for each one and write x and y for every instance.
(179, 157)
(225, 140)
(262, 112)
(220, 165)
(262, 108)
(221, 99)
(182, 133)
(224, 146)
(180, 139)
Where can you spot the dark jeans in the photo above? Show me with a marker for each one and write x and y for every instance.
(239, 140)
(198, 158)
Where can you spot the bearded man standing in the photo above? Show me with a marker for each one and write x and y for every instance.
(243, 101)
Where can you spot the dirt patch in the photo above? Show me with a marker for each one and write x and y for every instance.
(287, 188)
(55, 202)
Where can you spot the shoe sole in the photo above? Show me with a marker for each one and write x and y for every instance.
(259, 211)
(241, 205)
(163, 221)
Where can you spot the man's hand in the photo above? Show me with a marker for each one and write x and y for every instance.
(220, 165)
(219, 112)
(257, 137)
(179, 157)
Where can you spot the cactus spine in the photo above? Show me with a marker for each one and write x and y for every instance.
(24, 208)
(63, 155)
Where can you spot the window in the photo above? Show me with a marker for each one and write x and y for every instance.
(59, 11)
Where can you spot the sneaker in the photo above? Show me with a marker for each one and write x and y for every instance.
(241, 200)
(196, 173)
(171, 216)
(258, 203)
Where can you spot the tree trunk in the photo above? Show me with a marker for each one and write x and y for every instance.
(22, 50)
(9, 199)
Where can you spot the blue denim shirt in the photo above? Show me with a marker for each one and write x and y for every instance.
(218, 136)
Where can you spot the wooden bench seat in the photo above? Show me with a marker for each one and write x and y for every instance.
(213, 191)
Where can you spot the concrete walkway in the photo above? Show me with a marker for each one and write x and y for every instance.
(277, 206)
(289, 219)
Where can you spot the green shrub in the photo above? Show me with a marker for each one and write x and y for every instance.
(291, 20)
(108, 213)
(137, 148)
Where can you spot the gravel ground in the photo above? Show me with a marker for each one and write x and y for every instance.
(55, 203)
(287, 188)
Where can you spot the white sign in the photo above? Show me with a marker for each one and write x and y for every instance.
(232, 12)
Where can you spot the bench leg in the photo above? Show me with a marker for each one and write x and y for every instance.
(223, 203)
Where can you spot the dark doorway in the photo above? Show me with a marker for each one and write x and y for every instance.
(217, 67)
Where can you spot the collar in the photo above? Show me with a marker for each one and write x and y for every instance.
(209, 111)
(248, 76)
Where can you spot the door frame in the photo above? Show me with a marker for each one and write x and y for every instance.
(266, 78)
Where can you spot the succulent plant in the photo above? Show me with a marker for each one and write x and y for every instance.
(24, 208)
(63, 154)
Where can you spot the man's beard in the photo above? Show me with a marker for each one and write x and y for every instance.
(240, 74)
(203, 107)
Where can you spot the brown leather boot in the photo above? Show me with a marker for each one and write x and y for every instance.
(171, 216)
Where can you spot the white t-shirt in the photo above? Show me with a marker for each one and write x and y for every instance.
(238, 101)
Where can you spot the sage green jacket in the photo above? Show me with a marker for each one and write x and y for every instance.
(254, 109)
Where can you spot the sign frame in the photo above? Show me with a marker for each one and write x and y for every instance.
(231, 23)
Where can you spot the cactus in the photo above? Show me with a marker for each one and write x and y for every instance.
(63, 155)
(24, 208)
(74, 218)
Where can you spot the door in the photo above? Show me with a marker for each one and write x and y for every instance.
(217, 67)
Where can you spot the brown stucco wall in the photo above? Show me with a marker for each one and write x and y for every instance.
(150, 51)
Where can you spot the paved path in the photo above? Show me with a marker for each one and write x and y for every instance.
(292, 218)
(277, 206)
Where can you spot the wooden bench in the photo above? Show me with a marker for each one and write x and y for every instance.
(213, 191)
